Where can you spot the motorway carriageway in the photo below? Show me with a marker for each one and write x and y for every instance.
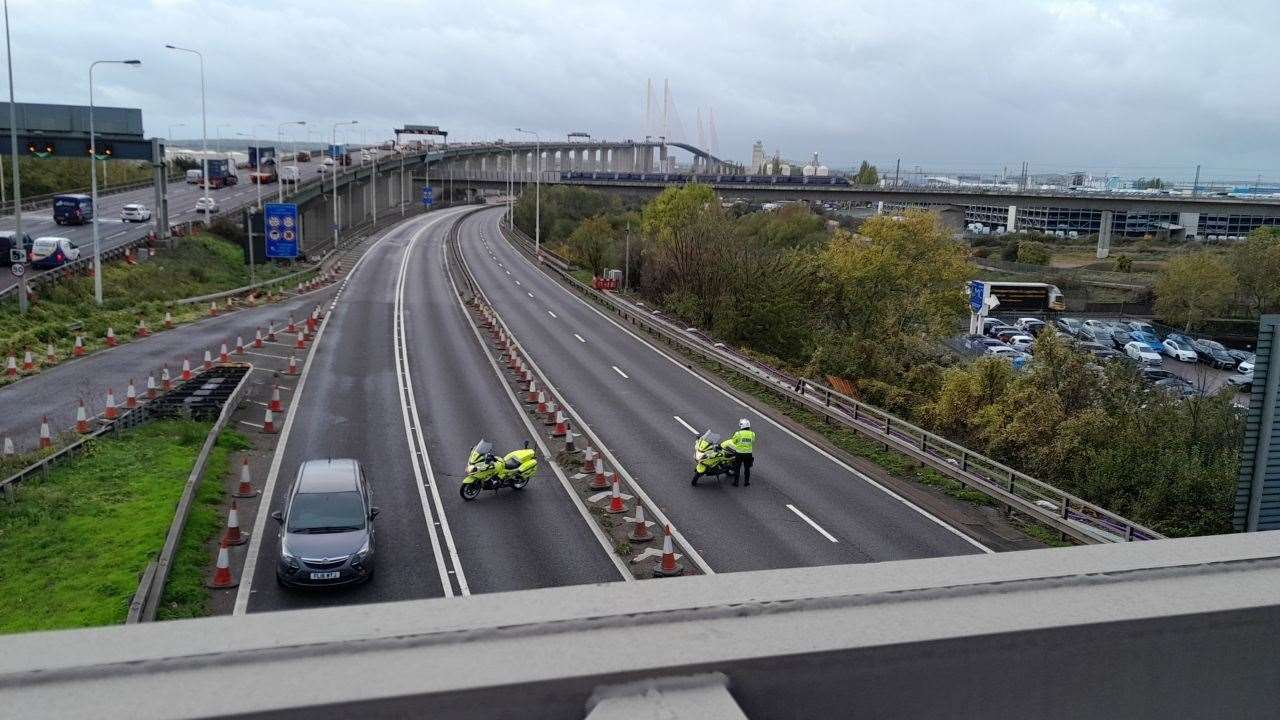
(400, 381)
(804, 507)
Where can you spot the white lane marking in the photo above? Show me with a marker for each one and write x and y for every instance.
(277, 357)
(420, 459)
(605, 543)
(852, 470)
(277, 458)
(530, 294)
(619, 371)
(812, 524)
(551, 313)
(250, 424)
(685, 424)
(580, 339)
(517, 282)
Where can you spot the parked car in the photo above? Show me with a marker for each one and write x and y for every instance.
(1022, 342)
(7, 245)
(1098, 351)
(134, 212)
(1151, 341)
(1142, 354)
(326, 529)
(1244, 360)
(1120, 338)
(1242, 382)
(981, 342)
(996, 330)
(1068, 325)
(1140, 326)
(1176, 387)
(206, 205)
(1032, 326)
(1007, 334)
(1179, 350)
(1100, 335)
(50, 252)
(1154, 374)
(1212, 353)
(989, 323)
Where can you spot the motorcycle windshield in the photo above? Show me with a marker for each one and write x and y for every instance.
(482, 448)
(710, 438)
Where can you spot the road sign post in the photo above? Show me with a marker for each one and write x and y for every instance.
(282, 231)
(427, 197)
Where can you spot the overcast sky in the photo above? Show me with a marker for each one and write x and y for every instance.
(1129, 88)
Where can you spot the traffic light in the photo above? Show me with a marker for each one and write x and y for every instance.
(41, 149)
(104, 151)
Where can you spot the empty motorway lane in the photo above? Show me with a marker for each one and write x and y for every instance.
(803, 507)
(399, 382)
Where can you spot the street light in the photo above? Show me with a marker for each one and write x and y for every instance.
(257, 164)
(537, 201)
(93, 181)
(204, 127)
(511, 186)
(17, 173)
(217, 130)
(334, 172)
(280, 139)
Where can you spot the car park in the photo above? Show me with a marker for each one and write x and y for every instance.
(989, 323)
(1120, 338)
(206, 205)
(1212, 353)
(1068, 325)
(1154, 374)
(1179, 350)
(1151, 342)
(8, 245)
(1007, 333)
(1031, 326)
(1176, 387)
(1139, 352)
(1244, 360)
(1140, 326)
(326, 529)
(50, 252)
(135, 212)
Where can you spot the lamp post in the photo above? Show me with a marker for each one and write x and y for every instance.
(204, 126)
(511, 186)
(279, 136)
(17, 174)
(335, 180)
(217, 130)
(93, 181)
(257, 165)
(537, 189)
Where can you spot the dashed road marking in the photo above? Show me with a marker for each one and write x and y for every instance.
(812, 524)
(580, 338)
(685, 424)
(619, 371)
(551, 313)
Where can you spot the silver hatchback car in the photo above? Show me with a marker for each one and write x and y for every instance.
(326, 530)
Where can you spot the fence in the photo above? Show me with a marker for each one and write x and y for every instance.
(1072, 516)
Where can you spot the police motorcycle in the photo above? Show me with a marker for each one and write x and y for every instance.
(486, 471)
(710, 460)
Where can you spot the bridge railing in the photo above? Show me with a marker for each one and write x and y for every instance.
(1072, 516)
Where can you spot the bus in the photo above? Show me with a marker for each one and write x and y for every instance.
(1026, 296)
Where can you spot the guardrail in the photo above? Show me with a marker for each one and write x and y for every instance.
(151, 586)
(1072, 516)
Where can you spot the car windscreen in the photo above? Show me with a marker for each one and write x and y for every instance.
(44, 245)
(326, 512)
(65, 203)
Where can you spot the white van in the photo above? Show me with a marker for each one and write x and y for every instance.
(289, 174)
(49, 252)
(193, 177)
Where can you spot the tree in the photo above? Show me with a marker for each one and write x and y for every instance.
(1124, 263)
(1033, 253)
(594, 244)
(867, 174)
(1256, 263)
(1193, 288)
(185, 163)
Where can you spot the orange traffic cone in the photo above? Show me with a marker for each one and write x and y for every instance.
(130, 396)
(111, 337)
(276, 405)
(166, 382)
(78, 349)
(46, 438)
(186, 369)
(640, 531)
(11, 368)
(82, 419)
(239, 345)
(28, 362)
(152, 390)
(168, 319)
(291, 327)
(223, 357)
(668, 566)
(562, 425)
(245, 490)
(50, 356)
(600, 480)
(142, 330)
(269, 422)
(222, 577)
(532, 397)
(208, 360)
(293, 365)
(589, 456)
(301, 343)
(257, 338)
(271, 332)
(542, 403)
(213, 308)
(110, 413)
(233, 536)
(615, 500)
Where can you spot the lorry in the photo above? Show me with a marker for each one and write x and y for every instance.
(222, 173)
(289, 175)
(303, 156)
(264, 152)
(266, 172)
(339, 154)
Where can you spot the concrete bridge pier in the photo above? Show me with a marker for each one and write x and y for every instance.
(1104, 235)
(1011, 224)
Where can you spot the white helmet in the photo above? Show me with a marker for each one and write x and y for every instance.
(744, 424)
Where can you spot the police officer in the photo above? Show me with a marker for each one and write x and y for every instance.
(741, 445)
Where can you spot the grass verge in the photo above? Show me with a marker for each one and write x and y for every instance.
(185, 595)
(75, 544)
(198, 265)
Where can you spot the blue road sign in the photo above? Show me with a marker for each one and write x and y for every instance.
(977, 290)
(280, 223)
(426, 196)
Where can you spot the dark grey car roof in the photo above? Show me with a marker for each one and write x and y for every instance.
(333, 475)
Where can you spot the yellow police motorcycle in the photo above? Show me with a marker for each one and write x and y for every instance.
(709, 459)
(485, 471)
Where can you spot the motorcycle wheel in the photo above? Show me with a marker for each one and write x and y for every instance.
(469, 491)
(520, 482)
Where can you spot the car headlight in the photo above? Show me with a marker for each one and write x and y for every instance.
(287, 557)
(471, 469)
(362, 554)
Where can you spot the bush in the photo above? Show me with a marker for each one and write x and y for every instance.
(1124, 263)
(1009, 251)
(1033, 253)
(981, 252)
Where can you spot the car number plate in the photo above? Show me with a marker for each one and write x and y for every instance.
(325, 575)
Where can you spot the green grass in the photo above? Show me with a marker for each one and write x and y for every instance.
(75, 544)
(185, 595)
(582, 276)
(198, 265)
